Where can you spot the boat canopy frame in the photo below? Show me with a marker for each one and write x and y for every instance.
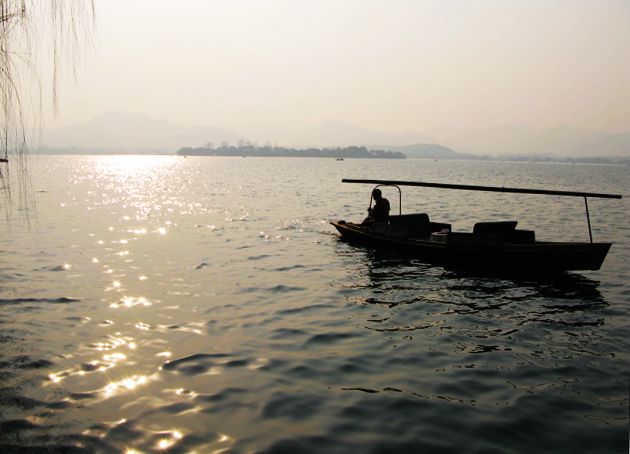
(465, 187)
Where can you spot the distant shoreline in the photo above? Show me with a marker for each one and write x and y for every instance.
(284, 152)
(610, 160)
(416, 151)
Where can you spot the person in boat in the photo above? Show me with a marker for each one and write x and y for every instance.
(380, 211)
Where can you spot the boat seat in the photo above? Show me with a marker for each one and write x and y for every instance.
(498, 227)
(418, 224)
(503, 232)
(440, 227)
(521, 237)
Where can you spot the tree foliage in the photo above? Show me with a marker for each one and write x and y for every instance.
(37, 40)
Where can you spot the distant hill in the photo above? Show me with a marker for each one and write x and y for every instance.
(435, 151)
(497, 141)
(427, 151)
(117, 131)
(518, 140)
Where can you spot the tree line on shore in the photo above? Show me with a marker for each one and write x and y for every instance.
(275, 151)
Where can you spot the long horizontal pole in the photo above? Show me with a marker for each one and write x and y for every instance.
(484, 188)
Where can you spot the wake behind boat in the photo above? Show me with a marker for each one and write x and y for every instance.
(491, 245)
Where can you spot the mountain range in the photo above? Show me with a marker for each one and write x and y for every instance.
(118, 132)
(561, 141)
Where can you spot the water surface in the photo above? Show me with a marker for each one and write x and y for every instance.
(206, 305)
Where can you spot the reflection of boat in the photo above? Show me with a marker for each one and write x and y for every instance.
(491, 245)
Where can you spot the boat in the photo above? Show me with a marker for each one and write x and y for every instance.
(496, 245)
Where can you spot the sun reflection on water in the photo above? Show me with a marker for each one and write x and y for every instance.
(126, 384)
(185, 392)
(131, 301)
(55, 378)
(128, 166)
(166, 443)
(107, 361)
(115, 357)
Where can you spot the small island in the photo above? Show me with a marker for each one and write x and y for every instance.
(274, 151)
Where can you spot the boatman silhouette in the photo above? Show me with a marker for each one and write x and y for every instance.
(380, 211)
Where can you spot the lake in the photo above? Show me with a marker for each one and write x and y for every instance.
(205, 304)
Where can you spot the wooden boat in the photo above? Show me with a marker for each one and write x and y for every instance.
(491, 245)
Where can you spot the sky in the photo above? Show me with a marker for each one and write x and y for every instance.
(388, 65)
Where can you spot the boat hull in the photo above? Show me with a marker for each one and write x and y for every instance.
(530, 257)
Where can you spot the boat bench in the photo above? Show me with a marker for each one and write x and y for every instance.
(504, 232)
(418, 225)
(487, 234)
(521, 237)
(500, 227)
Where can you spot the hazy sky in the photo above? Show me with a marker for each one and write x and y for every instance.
(392, 65)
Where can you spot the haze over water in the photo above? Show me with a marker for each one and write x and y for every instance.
(206, 305)
(489, 77)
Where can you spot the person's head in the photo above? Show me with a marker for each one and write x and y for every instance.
(376, 194)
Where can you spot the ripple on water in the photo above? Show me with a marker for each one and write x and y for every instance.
(287, 333)
(303, 309)
(329, 338)
(206, 363)
(24, 362)
(132, 436)
(60, 300)
(280, 288)
(293, 406)
(228, 400)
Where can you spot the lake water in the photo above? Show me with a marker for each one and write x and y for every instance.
(206, 305)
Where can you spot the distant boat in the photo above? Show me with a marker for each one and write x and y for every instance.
(490, 246)
(338, 159)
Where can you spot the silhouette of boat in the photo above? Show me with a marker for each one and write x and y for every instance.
(491, 245)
